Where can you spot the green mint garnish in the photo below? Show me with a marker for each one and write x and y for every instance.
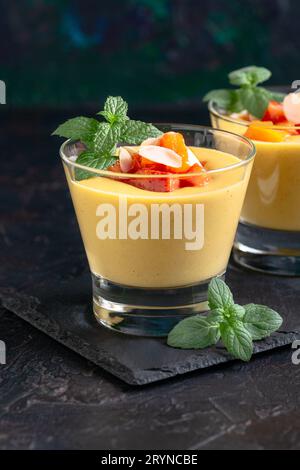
(89, 159)
(261, 321)
(219, 296)
(237, 326)
(249, 95)
(236, 339)
(101, 138)
(115, 110)
(250, 76)
(196, 332)
(134, 132)
(79, 128)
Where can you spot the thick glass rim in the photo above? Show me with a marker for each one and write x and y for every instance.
(213, 109)
(183, 127)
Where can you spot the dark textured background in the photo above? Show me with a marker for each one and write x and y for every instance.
(68, 52)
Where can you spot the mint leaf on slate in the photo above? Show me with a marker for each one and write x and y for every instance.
(216, 315)
(134, 132)
(238, 326)
(194, 333)
(78, 128)
(237, 340)
(261, 321)
(219, 294)
(235, 311)
(250, 75)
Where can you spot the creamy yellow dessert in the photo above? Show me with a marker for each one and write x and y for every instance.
(160, 263)
(273, 195)
(272, 121)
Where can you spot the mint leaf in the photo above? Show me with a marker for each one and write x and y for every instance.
(237, 325)
(248, 96)
(235, 312)
(92, 160)
(219, 294)
(196, 332)
(106, 138)
(101, 138)
(237, 340)
(216, 315)
(115, 109)
(134, 132)
(79, 128)
(276, 96)
(250, 75)
(225, 99)
(116, 105)
(255, 100)
(261, 321)
(222, 97)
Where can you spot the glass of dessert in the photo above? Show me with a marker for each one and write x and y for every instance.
(157, 215)
(268, 237)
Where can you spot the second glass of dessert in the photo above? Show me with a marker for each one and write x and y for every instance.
(158, 223)
(268, 237)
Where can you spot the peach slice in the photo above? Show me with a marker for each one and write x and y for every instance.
(265, 132)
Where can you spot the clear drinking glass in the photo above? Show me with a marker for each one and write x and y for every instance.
(152, 254)
(268, 236)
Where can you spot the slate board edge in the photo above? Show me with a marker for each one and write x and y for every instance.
(11, 300)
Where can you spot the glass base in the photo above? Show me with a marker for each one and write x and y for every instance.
(146, 312)
(270, 251)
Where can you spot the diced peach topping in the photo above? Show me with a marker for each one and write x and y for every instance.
(274, 112)
(201, 179)
(163, 156)
(166, 184)
(261, 130)
(175, 141)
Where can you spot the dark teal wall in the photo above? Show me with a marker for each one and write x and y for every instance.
(61, 52)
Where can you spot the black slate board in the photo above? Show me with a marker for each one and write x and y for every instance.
(63, 311)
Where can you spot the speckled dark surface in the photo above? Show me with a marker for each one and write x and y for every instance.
(63, 311)
(52, 398)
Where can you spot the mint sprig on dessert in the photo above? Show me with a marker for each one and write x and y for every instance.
(237, 326)
(249, 95)
(101, 137)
